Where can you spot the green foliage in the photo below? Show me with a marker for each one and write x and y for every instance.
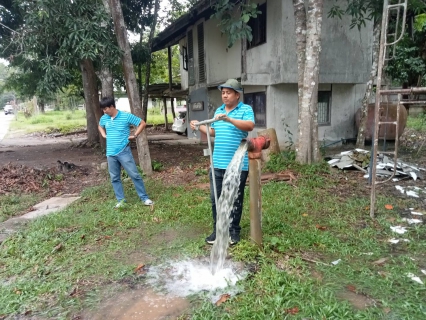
(233, 18)
(157, 165)
(201, 172)
(408, 64)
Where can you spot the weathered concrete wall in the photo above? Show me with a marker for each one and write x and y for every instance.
(345, 100)
(222, 63)
(345, 56)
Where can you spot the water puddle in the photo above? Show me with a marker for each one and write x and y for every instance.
(142, 304)
(185, 278)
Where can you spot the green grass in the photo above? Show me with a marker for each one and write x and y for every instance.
(306, 226)
(51, 121)
(417, 122)
(14, 202)
(66, 121)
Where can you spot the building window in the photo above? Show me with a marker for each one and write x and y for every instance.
(324, 108)
(257, 101)
(258, 28)
(201, 63)
(191, 78)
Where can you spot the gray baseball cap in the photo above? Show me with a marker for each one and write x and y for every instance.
(231, 84)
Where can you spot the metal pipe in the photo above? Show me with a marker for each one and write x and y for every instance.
(207, 124)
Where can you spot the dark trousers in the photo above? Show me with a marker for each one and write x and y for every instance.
(237, 210)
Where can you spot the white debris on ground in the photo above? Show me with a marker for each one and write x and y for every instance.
(360, 159)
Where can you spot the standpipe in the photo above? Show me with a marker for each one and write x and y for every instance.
(209, 150)
(254, 148)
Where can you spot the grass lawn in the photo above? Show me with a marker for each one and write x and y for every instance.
(321, 218)
(67, 121)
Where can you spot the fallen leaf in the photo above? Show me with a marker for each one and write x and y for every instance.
(139, 268)
(321, 227)
(386, 310)
(351, 288)
(57, 248)
(82, 236)
(388, 206)
(380, 261)
(223, 298)
(305, 215)
(294, 310)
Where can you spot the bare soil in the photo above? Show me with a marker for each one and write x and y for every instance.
(30, 163)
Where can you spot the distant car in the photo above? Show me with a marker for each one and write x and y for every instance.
(8, 109)
(179, 123)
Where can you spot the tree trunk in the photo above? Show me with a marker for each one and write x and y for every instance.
(131, 84)
(93, 112)
(107, 84)
(165, 114)
(308, 149)
(148, 62)
(300, 30)
(360, 139)
(41, 107)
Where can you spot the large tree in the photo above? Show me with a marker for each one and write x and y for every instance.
(308, 24)
(131, 84)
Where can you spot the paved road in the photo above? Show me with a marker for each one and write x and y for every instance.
(4, 123)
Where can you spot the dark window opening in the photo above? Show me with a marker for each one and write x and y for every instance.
(191, 77)
(201, 63)
(324, 108)
(257, 101)
(185, 58)
(258, 28)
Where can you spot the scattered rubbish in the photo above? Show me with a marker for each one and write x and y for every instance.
(395, 241)
(414, 278)
(423, 271)
(410, 190)
(367, 253)
(388, 206)
(412, 221)
(416, 213)
(380, 261)
(336, 262)
(399, 229)
(385, 167)
(412, 194)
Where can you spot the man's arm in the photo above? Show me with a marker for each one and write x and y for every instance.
(102, 131)
(139, 129)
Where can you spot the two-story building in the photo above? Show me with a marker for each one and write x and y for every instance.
(269, 70)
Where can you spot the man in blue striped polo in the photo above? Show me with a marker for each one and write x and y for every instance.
(114, 126)
(238, 120)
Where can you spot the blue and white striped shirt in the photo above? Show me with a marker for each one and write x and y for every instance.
(228, 137)
(118, 131)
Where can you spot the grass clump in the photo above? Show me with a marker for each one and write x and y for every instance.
(417, 122)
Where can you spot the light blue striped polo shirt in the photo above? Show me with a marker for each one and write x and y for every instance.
(118, 131)
(228, 137)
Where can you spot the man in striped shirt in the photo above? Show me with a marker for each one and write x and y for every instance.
(238, 120)
(114, 126)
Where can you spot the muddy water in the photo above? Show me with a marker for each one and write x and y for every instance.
(144, 304)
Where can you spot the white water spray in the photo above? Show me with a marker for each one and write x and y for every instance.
(224, 206)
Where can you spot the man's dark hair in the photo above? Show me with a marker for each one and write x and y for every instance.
(107, 102)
